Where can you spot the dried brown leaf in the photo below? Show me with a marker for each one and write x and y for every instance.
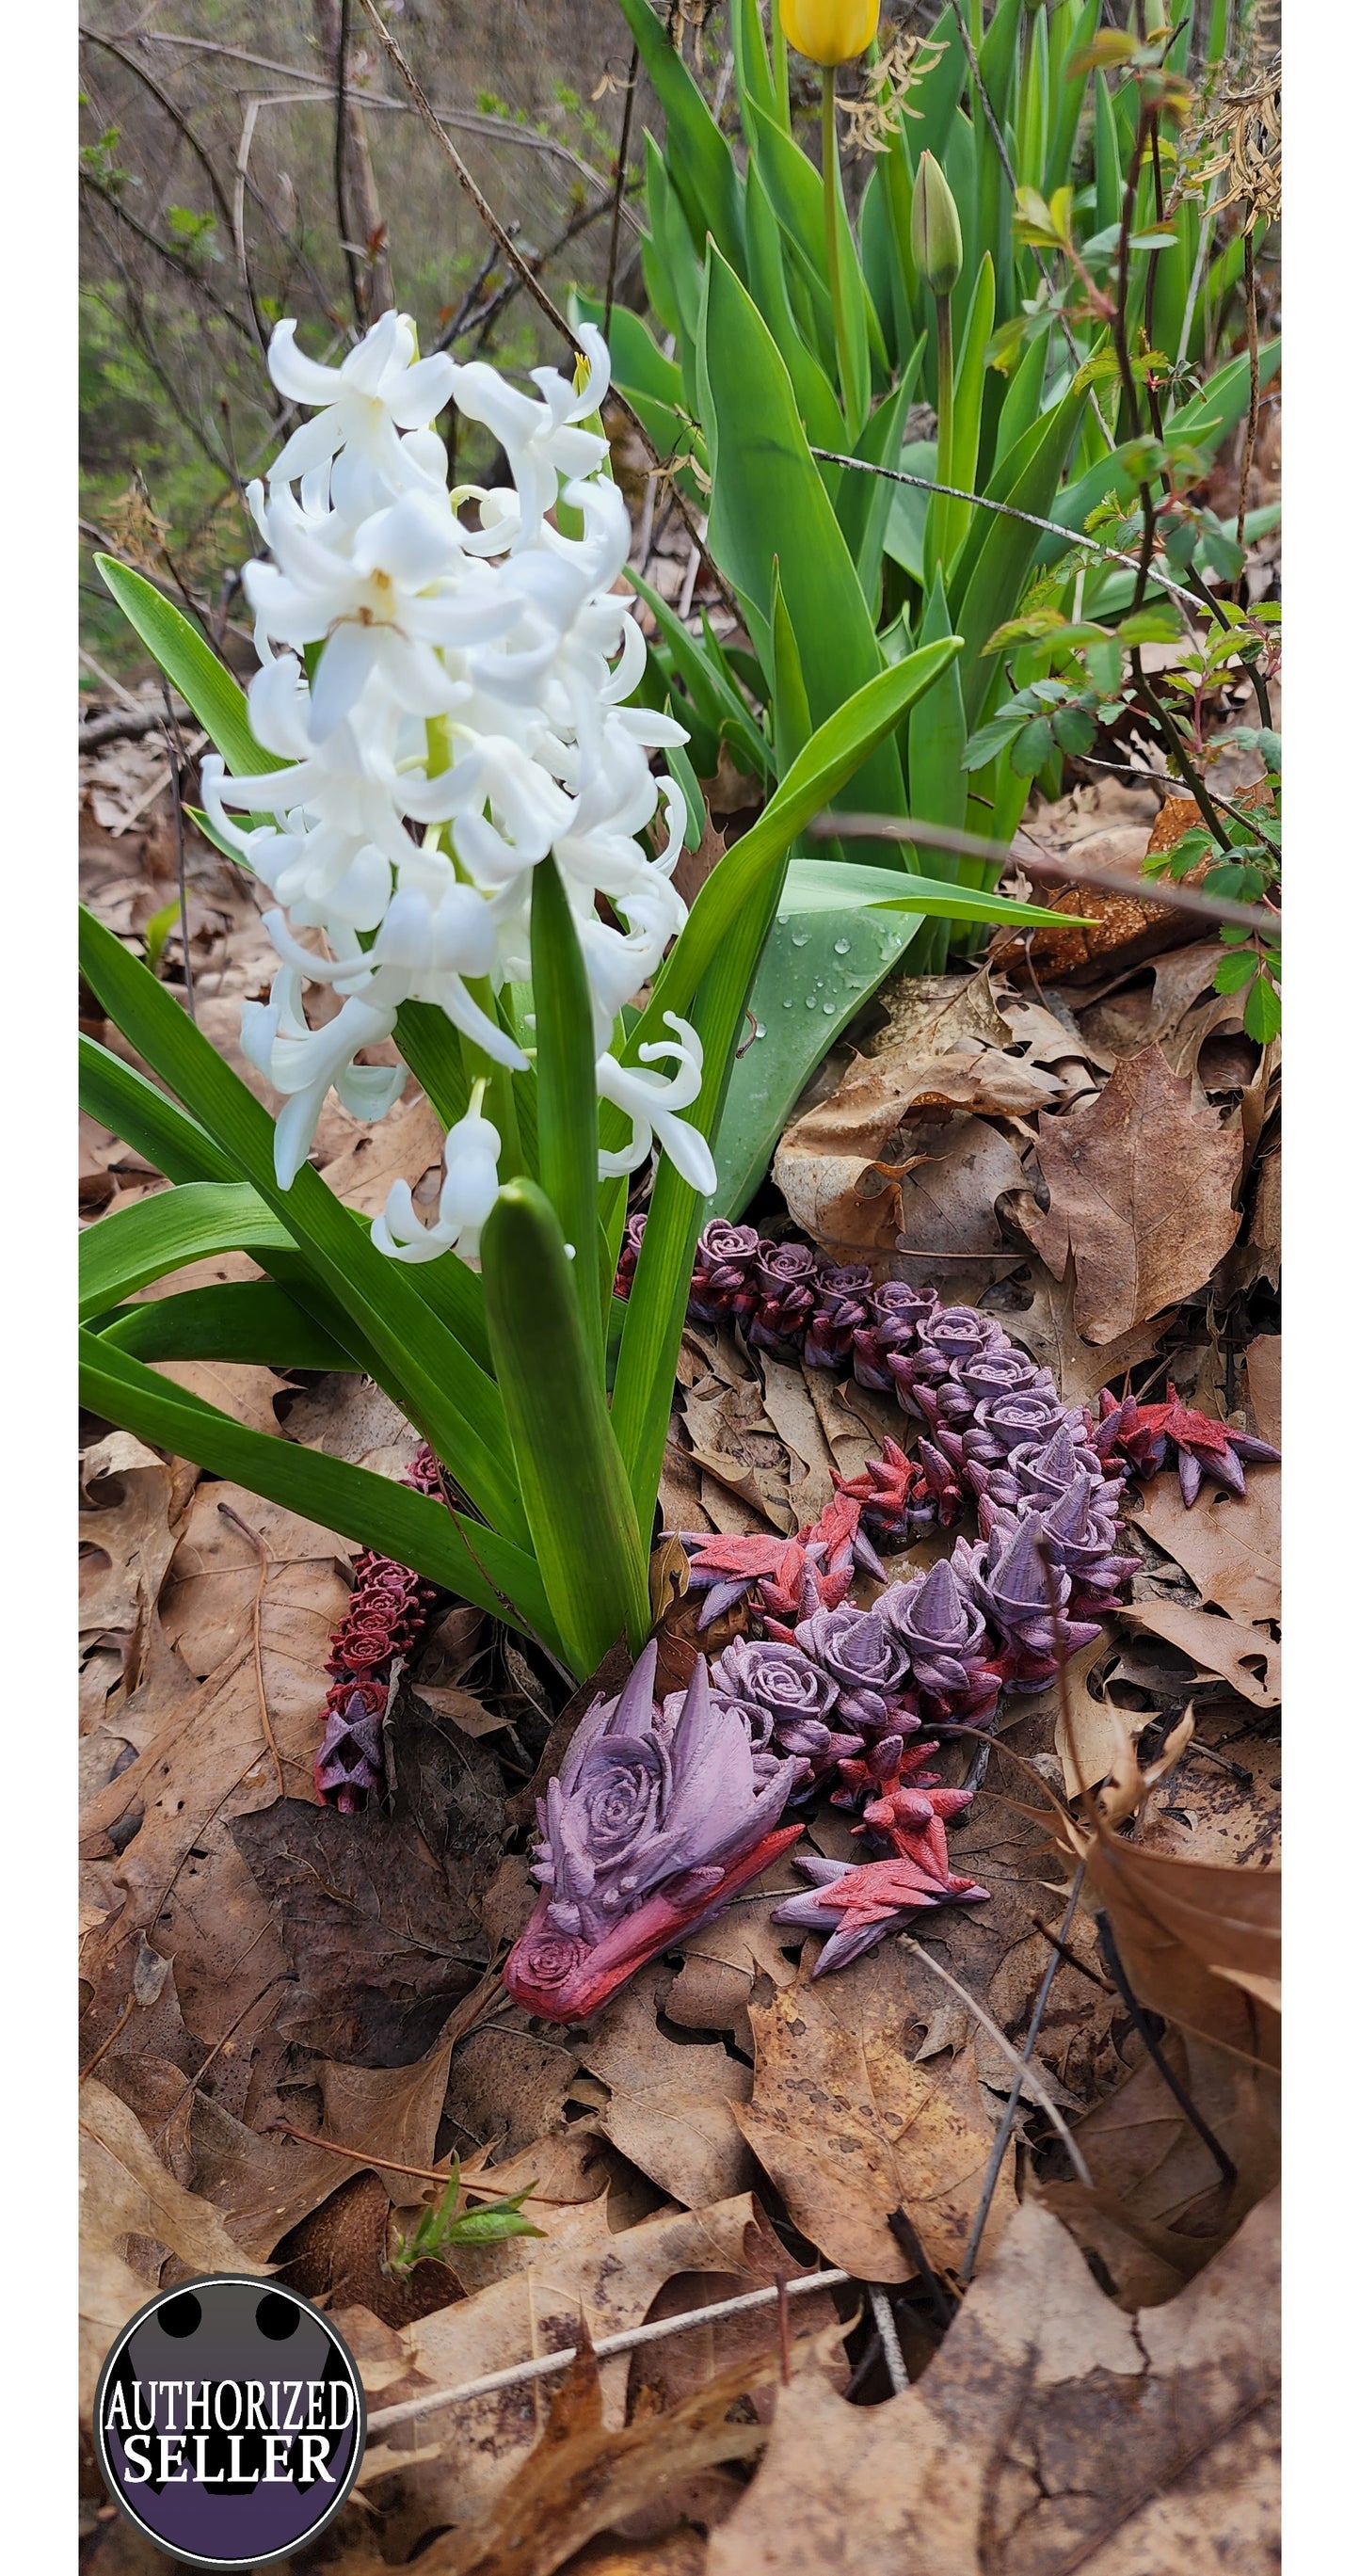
(849, 2129)
(1141, 1187)
(1050, 2433)
(671, 2104)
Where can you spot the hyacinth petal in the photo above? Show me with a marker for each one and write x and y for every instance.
(312, 444)
(424, 390)
(301, 378)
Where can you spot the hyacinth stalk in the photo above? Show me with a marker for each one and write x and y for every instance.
(440, 777)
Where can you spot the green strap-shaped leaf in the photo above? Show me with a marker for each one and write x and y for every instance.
(246, 1320)
(835, 755)
(698, 157)
(584, 1527)
(191, 666)
(157, 1128)
(425, 1369)
(644, 1379)
(374, 1511)
(987, 579)
(125, 1251)
(767, 490)
(568, 1110)
(708, 684)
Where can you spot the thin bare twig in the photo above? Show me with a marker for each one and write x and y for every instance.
(1079, 2164)
(532, 283)
(547, 2363)
(1044, 863)
(256, 1619)
(620, 181)
(1008, 2117)
(887, 2336)
(1007, 510)
(1139, 2017)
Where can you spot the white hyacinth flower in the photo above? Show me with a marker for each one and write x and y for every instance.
(471, 1180)
(541, 439)
(379, 389)
(651, 1101)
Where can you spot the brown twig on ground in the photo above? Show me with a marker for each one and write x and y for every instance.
(940, 2300)
(545, 2364)
(1008, 2117)
(256, 1617)
(1143, 2025)
(1027, 2072)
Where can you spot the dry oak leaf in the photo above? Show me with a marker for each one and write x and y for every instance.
(584, 2275)
(126, 1541)
(1248, 1658)
(1050, 2433)
(1160, 2209)
(126, 2191)
(848, 2128)
(1140, 1192)
(1229, 1544)
(1199, 1940)
(1047, 1327)
(671, 2103)
(265, 2184)
(584, 2477)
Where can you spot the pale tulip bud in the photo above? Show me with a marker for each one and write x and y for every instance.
(936, 241)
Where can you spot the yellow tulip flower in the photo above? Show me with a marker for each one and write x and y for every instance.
(829, 31)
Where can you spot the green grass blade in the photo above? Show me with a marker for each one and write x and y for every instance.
(156, 1128)
(835, 755)
(584, 1527)
(191, 666)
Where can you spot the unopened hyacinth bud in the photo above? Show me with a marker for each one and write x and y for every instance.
(944, 1635)
(868, 1665)
(936, 240)
(829, 31)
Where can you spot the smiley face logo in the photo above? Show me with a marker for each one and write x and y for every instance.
(229, 2421)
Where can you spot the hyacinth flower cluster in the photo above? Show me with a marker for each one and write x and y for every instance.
(441, 685)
